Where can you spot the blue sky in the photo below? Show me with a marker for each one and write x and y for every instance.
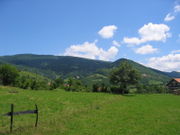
(146, 31)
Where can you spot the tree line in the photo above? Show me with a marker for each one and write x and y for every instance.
(123, 79)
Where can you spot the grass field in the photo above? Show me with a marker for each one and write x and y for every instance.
(75, 113)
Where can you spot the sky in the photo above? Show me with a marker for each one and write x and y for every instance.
(145, 31)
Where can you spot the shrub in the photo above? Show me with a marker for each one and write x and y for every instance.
(8, 74)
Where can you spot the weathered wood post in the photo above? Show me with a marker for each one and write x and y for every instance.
(11, 123)
(36, 111)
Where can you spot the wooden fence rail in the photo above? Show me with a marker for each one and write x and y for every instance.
(12, 113)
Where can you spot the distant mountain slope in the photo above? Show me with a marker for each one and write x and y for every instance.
(86, 69)
(62, 65)
(172, 74)
(148, 74)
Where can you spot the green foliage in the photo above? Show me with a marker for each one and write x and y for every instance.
(61, 65)
(8, 74)
(156, 89)
(95, 79)
(88, 71)
(66, 67)
(57, 83)
(151, 88)
(123, 76)
(147, 74)
(72, 84)
(100, 87)
(116, 89)
(27, 80)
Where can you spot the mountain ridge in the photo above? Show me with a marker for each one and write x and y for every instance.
(68, 66)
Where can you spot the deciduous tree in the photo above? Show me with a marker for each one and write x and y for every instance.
(8, 74)
(123, 76)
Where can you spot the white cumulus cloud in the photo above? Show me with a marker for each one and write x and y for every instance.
(132, 40)
(109, 54)
(107, 31)
(169, 17)
(91, 51)
(170, 62)
(147, 49)
(149, 32)
(116, 43)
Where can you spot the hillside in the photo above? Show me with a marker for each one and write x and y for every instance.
(61, 65)
(86, 69)
(148, 74)
(172, 74)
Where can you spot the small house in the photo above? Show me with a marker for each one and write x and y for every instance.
(174, 85)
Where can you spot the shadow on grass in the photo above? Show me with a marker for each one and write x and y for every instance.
(129, 95)
(125, 95)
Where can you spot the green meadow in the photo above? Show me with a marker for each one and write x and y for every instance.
(82, 113)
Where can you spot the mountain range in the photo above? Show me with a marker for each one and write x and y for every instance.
(89, 71)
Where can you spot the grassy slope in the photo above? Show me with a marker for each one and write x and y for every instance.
(70, 113)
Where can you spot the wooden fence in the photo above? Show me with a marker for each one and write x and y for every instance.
(12, 113)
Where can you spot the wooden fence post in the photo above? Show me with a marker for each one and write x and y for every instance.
(12, 113)
(36, 115)
(11, 123)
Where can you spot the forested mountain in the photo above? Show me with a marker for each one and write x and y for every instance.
(148, 74)
(86, 69)
(61, 65)
(172, 74)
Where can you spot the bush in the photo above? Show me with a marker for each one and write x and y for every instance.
(8, 74)
(59, 82)
(30, 82)
(100, 87)
(151, 88)
(74, 85)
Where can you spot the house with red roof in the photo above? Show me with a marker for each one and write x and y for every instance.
(174, 85)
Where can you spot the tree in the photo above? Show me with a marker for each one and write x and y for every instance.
(58, 82)
(8, 74)
(72, 84)
(100, 87)
(123, 76)
(95, 87)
